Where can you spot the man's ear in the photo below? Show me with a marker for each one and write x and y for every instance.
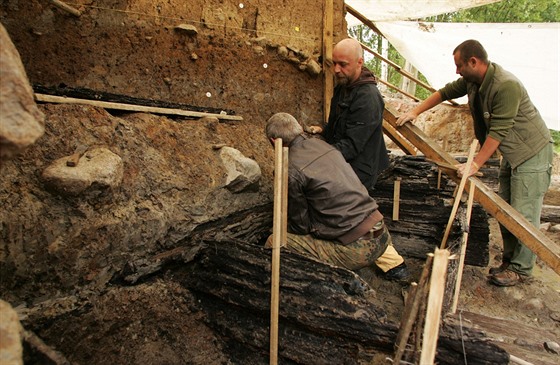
(473, 61)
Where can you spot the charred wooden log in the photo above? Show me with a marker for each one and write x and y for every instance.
(327, 314)
(424, 210)
(83, 93)
(550, 213)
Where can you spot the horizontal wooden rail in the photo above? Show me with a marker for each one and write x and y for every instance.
(399, 69)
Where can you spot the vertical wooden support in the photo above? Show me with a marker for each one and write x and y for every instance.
(435, 302)
(459, 194)
(463, 250)
(444, 147)
(328, 80)
(277, 235)
(284, 196)
(396, 198)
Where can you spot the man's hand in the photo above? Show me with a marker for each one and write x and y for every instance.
(314, 129)
(408, 117)
(461, 169)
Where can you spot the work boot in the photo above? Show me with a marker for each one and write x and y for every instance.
(499, 269)
(398, 273)
(507, 278)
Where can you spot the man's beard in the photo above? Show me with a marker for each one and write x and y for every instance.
(342, 80)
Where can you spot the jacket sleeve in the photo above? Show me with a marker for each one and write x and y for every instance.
(454, 89)
(298, 209)
(363, 115)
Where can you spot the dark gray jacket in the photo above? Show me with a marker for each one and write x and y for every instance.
(325, 197)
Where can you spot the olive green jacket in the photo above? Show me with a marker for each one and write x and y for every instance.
(502, 109)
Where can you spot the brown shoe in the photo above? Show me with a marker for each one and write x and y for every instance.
(498, 269)
(506, 278)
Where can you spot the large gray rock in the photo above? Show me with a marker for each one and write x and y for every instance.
(242, 172)
(21, 123)
(98, 168)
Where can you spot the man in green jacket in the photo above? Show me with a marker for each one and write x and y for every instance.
(505, 119)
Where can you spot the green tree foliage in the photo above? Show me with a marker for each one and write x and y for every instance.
(510, 11)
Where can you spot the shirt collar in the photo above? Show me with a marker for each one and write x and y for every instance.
(487, 78)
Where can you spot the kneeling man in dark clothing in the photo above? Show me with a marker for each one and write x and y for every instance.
(331, 217)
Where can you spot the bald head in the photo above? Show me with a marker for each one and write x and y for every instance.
(350, 47)
(347, 61)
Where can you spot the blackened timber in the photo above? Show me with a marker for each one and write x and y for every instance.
(326, 315)
(83, 93)
(424, 210)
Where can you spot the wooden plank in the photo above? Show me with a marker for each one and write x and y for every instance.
(399, 140)
(532, 237)
(435, 303)
(132, 108)
(278, 235)
(328, 80)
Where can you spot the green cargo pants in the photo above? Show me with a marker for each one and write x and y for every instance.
(524, 188)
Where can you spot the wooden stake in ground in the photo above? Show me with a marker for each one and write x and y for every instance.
(277, 235)
(435, 301)
(444, 147)
(459, 194)
(463, 250)
(396, 198)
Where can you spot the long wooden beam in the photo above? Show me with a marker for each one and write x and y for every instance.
(399, 140)
(131, 107)
(532, 237)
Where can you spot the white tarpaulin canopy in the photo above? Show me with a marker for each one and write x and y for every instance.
(530, 51)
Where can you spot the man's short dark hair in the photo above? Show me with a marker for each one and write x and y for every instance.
(283, 125)
(471, 48)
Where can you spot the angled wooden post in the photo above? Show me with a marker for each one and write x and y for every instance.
(459, 194)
